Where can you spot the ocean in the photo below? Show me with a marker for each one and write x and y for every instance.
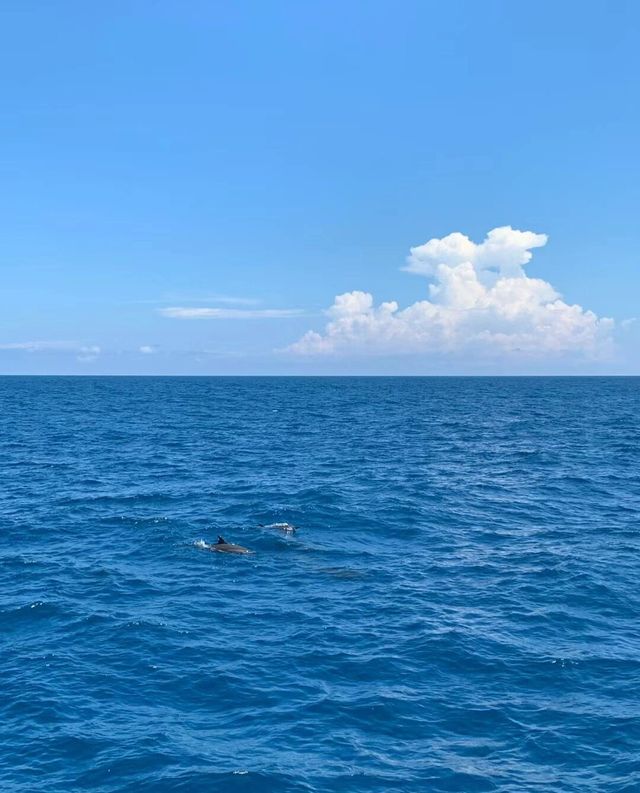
(458, 610)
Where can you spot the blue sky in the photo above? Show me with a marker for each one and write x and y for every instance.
(189, 187)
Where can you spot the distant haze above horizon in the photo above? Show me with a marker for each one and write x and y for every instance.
(362, 188)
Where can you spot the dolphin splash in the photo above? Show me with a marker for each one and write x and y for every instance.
(287, 527)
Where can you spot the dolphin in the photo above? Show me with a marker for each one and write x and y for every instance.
(286, 527)
(222, 546)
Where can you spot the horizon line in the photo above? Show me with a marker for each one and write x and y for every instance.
(318, 376)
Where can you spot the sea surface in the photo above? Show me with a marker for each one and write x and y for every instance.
(458, 611)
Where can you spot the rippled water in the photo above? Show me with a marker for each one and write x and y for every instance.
(457, 612)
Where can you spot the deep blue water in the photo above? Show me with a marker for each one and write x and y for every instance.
(458, 611)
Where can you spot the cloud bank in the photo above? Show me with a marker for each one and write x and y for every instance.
(481, 301)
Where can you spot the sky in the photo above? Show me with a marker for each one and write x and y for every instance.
(207, 188)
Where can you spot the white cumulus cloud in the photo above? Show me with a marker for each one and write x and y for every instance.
(481, 301)
(147, 349)
(503, 252)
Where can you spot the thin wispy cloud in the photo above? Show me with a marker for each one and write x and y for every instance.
(85, 353)
(224, 300)
(481, 302)
(229, 300)
(41, 346)
(187, 312)
(89, 354)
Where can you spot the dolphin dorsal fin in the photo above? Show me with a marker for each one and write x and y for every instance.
(221, 540)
